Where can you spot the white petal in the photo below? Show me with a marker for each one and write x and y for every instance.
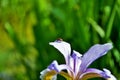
(77, 53)
(43, 74)
(63, 47)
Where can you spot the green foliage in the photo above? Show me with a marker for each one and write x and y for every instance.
(27, 26)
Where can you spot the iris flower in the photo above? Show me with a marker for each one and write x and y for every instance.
(76, 67)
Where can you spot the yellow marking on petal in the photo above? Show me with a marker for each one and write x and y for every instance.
(50, 74)
(90, 75)
(66, 75)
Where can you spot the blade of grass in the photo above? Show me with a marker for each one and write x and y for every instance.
(110, 22)
(97, 27)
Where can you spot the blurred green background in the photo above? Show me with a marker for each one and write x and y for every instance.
(27, 27)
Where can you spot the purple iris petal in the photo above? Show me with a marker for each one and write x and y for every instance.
(109, 74)
(93, 70)
(76, 64)
(54, 66)
(104, 74)
(76, 57)
(90, 71)
(94, 53)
